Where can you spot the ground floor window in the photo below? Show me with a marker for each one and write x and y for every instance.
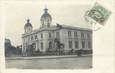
(70, 44)
(42, 45)
(76, 44)
(50, 44)
(89, 44)
(83, 44)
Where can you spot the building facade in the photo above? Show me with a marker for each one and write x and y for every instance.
(55, 37)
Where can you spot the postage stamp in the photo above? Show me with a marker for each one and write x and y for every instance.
(98, 14)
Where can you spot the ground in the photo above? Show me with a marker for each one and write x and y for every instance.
(84, 62)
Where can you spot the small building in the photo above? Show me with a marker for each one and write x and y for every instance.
(55, 37)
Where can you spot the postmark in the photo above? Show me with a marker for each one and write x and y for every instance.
(97, 16)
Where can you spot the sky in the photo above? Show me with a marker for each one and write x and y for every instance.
(17, 13)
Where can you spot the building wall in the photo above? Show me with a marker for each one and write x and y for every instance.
(64, 38)
(82, 36)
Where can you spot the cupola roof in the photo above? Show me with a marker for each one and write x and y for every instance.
(28, 24)
(46, 15)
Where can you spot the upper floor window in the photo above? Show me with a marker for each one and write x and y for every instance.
(75, 34)
(24, 39)
(57, 34)
(82, 35)
(36, 37)
(49, 34)
(69, 33)
(88, 36)
(31, 37)
(41, 35)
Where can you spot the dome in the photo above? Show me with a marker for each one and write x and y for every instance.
(28, 24)
(46, 15)
(46, 18)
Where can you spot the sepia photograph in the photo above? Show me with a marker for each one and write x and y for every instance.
(46, 36)
(51, 36)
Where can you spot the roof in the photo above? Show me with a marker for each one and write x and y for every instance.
(58, 27)
(28, 24)
(46, 14)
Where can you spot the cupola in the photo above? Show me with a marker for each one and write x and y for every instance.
(46, 19)
(28, 26)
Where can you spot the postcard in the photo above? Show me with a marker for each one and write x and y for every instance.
(57, 36)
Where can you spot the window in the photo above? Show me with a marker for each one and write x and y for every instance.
(57, 34)
(41, 35)
(89, 45)
(70, 44)
(31, 37)
(88, 36)
(69, 33)
(75, 34)
(49, 35)
(82, 35)
(23, 39)
(76, 44)
(42, 45)
(33, 45)
(35, 36)
(83, 44)
(50, 45)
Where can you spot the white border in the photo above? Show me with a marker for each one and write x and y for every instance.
(103, 55)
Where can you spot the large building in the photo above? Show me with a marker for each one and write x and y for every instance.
(55, 37)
